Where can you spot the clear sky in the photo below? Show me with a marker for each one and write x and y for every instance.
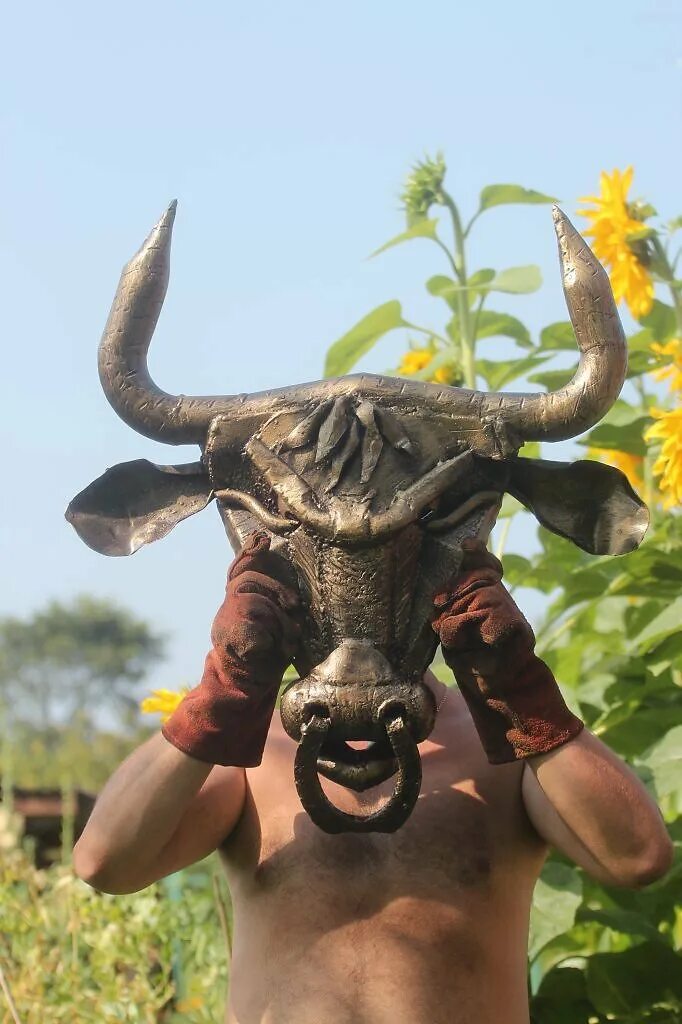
(285, 131)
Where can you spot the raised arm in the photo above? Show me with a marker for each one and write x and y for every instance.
(581, 798)
(586, 802)
(179, 795)
(160, 811)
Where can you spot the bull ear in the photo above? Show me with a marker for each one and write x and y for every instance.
(137, 502)
(589, 503)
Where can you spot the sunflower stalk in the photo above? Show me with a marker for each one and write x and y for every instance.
(467, 335)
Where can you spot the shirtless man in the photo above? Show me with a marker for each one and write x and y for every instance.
(425, 926)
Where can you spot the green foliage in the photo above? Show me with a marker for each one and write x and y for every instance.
(421, 229)
(76, 754)
(69, 953)
(73, 657)
(346, 352)
(497, 195)
(611, 634)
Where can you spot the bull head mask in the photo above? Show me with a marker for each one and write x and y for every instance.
(367, 486)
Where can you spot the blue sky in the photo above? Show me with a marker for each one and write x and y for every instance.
(285, 131)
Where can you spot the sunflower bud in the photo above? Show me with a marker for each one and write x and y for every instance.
(423, 188)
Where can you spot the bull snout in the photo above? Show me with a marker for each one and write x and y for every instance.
(357, 692)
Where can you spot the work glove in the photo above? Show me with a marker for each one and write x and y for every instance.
(225, 719)
(512, 695)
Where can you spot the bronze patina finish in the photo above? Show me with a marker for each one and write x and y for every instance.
(367, 485)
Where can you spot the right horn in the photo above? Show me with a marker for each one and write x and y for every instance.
(603, 351)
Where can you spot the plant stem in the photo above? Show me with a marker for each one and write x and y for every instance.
(8, 996)
(222, 914)
(669, 278)
(467, 337)
(425, 330)
(504, 534)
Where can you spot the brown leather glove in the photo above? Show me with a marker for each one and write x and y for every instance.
(512, 695)
(225, 719)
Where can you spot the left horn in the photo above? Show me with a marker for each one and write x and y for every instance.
(123, 371)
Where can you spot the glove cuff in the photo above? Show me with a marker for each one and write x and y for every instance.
(515, 702)
(224, 720)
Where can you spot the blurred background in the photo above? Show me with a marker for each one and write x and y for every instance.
(287, 133)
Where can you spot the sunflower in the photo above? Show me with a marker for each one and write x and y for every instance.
(163, 702)
(612, 224)
(631, 465)
(668, 465)
(415, 359)
(672, 350)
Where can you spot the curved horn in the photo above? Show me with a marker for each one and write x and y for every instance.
(601, 371)
(125, 342)
(178, 419)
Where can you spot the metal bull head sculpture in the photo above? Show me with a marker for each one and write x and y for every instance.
(367, 486)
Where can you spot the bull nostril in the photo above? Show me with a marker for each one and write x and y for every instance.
(313, 708)
(392, 708)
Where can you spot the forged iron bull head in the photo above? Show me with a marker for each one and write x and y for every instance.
(367, 486)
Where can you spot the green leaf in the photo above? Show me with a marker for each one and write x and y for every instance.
(636, 732)
(491, 325)
(622, 429)
(557, 336)
(499, 195)
(517, 280)
(661, 627)
(639, 977)
(443, 288)
(477, 282)
(641, 357)
(562, 998)
(661, 321)
(664, 761)
(513, 281)
(516, 569)
(498, 373)
(345, 352)
(422, 229)
(650, 572)
(558, 894)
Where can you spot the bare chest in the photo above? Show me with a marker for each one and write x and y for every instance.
(467, 831)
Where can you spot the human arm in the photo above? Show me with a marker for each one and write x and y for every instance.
(167, 805)
(159, 812)
(581, 798)
(584, 801)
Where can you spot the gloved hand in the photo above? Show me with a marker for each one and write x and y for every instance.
(225, 719)
(512, 695)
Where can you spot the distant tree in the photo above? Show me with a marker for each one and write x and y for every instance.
(72, 660)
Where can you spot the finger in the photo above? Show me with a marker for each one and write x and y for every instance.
(257, 544)
(466, 585)
(251, 582)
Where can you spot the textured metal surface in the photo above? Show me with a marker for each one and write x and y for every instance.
(367, 486)
(500, 421)
(143, 503)
(327, 816)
